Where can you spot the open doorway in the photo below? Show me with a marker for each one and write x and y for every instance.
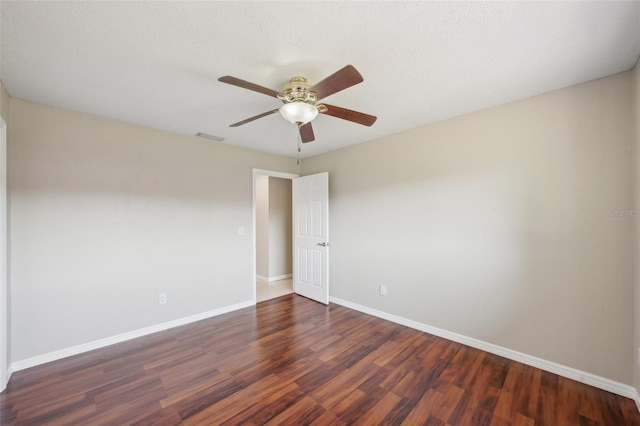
(273, 222)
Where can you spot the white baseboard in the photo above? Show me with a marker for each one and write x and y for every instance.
(552, 367)
(96, 344)
(280, 277)
(272, 279)
(8, 376)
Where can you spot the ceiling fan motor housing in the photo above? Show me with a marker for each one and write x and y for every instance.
(297, 90)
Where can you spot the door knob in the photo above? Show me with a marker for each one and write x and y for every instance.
(323, 244)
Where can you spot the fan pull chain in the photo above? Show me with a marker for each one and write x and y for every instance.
(299, 149)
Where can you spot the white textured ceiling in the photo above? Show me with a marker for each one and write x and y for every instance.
(157, 63)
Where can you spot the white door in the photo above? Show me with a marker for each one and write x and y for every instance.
(311, 237)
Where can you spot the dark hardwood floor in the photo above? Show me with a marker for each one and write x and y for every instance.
(291, 361)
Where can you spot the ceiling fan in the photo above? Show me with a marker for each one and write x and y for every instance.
(300, 100)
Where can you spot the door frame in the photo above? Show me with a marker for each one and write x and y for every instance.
(255, 174)
(4, 294)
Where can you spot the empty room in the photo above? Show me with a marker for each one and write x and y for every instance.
(319, 212)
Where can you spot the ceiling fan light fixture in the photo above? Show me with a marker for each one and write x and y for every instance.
(298, 112)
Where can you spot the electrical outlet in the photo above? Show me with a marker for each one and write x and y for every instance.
(383, 290)
(162, 298)
(240, 230)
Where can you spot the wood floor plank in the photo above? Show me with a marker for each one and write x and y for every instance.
(264, 410)
(291, 361)
(400, 412)
(224, 409)
(629, 412)
(423, 408)
(547, 411)
(504, 409)
(304, 411)
(378, 412)
(328, 419)
(447, 403)
(342, 385)
(203, 387)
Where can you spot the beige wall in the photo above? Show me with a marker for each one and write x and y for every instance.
(500, 225)
(106, 215)
(280, 227)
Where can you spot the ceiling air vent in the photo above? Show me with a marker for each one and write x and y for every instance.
(212, 137)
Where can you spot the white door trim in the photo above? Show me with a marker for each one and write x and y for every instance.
(255, 174)
(4, 301)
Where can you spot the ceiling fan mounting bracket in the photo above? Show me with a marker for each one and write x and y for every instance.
(297, 90)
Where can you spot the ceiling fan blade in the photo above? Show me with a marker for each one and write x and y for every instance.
(306, 133)
(248, 120)
(340, 80)
(347, 114)
(246, 85)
